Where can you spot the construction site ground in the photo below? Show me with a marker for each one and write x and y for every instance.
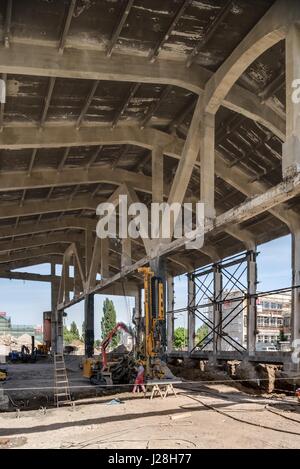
(201, 416)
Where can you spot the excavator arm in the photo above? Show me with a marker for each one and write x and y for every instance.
(107, 340)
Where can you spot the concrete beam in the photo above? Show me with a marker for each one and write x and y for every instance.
(38, 60)
(188, 158)
(52, 178)
(32, 252)
(28, 276)
(291, 148)
(207, 162)
(173, 147)
(42, 227)
(243, 212)
(37, 207)
(40, 240)
(271, 29)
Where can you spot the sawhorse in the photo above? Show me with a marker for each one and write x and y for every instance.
(162, 390)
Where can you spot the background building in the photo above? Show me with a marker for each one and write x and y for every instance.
(273, 319)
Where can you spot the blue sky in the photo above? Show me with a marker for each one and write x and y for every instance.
(26, 301)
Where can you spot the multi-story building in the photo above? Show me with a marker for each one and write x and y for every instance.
(5, 324)
(273, 318)
(17, 330)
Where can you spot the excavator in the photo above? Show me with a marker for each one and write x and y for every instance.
(151, 342)
(96, 370)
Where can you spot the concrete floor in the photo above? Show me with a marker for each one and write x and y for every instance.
(202, 416)
(180, 423)
(30, 385)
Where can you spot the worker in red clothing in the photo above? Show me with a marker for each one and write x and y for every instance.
(139, 380)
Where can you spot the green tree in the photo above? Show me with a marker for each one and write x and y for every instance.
(108, 321)
(82, 331)
(180, 338)
(74, 330)
(201, 332)
(68, 336)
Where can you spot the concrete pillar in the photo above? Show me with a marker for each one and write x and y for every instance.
(157, 265)
(54, 299)
(89, 335)
(191, 315)
(157, 174)
(207, 161)
(170, 316)
(251, 302)
(59, 331)
(291, 147)
(66, 280)
(126, 253)
(295, 316)
(77, 280)
(104, 249)
(138, 320)
(217, 310)
(89, 245)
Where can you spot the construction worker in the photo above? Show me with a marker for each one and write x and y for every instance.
(139, 380)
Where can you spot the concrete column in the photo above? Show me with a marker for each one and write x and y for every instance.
(138, 321)
(66, 280)
(207, 161)
(77, 280)
(157, 174)
(89, 245)
(191, 315)
(170, 316)
(104, 249)
(89, 325)
(251, 305)
(295, 316)
(157, 265)
(291, 147)
(54, 299)
(126, 253)
(59, 333)
(217, 310)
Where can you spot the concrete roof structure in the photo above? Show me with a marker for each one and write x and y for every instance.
(96, 88)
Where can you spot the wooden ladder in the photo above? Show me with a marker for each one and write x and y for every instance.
(61, 382)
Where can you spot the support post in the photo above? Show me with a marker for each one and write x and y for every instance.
(157, 175)
(191, 315)
(60, 333)
(104, 249)
(170, 316)
(295, 316)
(157, 265)
(77, 280)
(291, 147)
(54, 299)
(89, 325)
(217, 310)
(207, 161)
(126, 253)
(89, 245)
(138, 319)
(251, 302)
